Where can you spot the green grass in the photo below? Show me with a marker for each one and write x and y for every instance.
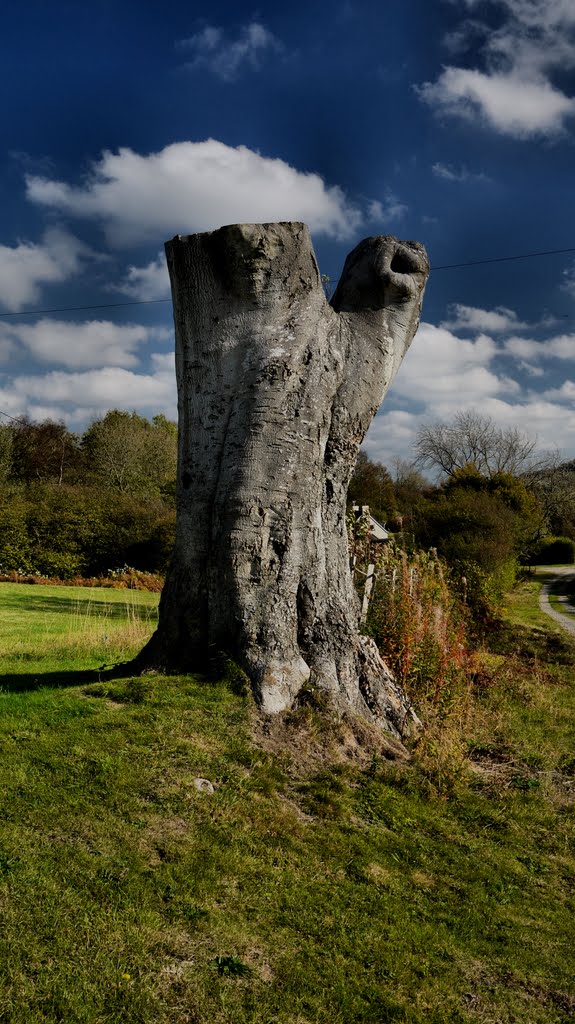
(320, 882)
(48, 628)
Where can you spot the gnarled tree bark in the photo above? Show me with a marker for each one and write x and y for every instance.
(276, 391)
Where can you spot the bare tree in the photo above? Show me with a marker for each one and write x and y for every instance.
(276, 391)
(473, 439)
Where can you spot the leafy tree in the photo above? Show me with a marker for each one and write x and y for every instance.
(372, 485)
(130, 454)
(555, 551)
(44, 451)
(482, 525)
(6, 436)
(528, 524)
(473, 439)
(72, 530)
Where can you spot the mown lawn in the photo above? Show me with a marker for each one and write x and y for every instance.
(320, 882)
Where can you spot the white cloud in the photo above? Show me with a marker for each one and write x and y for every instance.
(196, 186)
(27, 266)
(391, 435)
(449, 173)
(512, 89)
(79, 397)
(164, 362)
(450, 372)
(471, 318)
(566, 393)
(528, 368)
(390, 209)
(149, 282)
(442, 374)
(393, 432)
(560, 347)
(10, 402)
(226, 58)
(91, 343)
(106, 388)
(535, 36)
(509, 103)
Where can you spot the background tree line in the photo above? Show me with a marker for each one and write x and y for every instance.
(84, 503)
(81, 504)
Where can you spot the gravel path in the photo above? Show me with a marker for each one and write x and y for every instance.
(566, 619)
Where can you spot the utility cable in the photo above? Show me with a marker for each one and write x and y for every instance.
(149, 302)
(76, 309)
(502, 259)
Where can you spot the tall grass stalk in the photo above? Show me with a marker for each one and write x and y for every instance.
(419, 627)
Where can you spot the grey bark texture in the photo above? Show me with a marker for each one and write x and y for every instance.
(276, 390)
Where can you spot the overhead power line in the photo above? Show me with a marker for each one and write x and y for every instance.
(17, 419)
(501, 259)
(76, 309)
(150, 302)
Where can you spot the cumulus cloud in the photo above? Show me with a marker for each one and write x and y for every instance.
(27, 266)
(450, 372)
(109, 387)
(513, 89)
(212, 50)
(93, 343)
(560, 347)
(509, 103)
(148, 282)
(196, 186)
(77, 397)
(471, 318)
(164, 362)
(545, 418)
(566, 393)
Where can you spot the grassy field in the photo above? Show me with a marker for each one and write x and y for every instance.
(323, 881)
(50, 628)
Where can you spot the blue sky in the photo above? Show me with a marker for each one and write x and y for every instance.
(447, 121)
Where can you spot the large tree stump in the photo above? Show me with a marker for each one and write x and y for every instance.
(276, 391)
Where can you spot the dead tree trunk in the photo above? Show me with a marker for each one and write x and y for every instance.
(276, 391)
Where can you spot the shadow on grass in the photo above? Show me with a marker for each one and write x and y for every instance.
(532, 644)
(22, 682)
(83, 607)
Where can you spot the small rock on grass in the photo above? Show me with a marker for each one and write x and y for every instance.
(203, 785)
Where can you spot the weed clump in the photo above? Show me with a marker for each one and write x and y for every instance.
(419, 627)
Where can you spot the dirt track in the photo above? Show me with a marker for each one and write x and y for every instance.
(566, 619)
